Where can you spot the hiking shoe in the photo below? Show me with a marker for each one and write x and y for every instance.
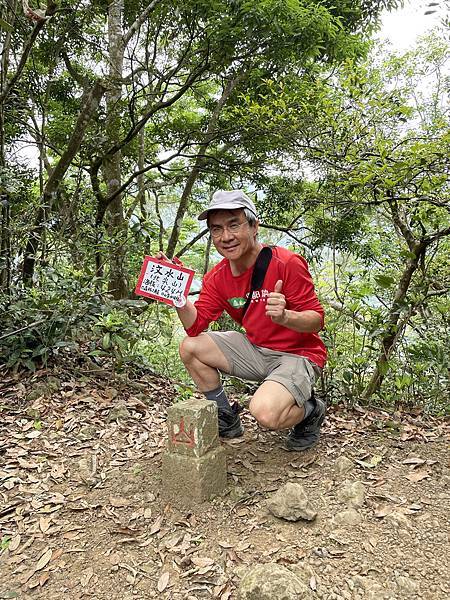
(305, 434)
(230, 425)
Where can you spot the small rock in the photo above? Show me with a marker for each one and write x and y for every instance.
(87, 432)
(407, 587)
(291, 502)
(372, 588)
(118, 412)
(39, 390)
(397, 520)
(347, 517)
(33, 413)
(343, 465)
(53, 384)
(352, 493)
(272, 581)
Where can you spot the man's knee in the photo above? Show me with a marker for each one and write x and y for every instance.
(202, 349)
(264, 415)
(189, 348)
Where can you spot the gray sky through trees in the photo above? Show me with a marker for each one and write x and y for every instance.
(402, 27)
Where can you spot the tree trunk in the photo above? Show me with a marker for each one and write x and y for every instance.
(207, 256)
(5, 219)
(89, 106)
(393, 330)
(5, 214)
(5, 246)
(200, 161)
(9, 85)
(182, 208)
(117, 229)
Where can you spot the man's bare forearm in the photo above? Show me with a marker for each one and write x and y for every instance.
(306, 321)
(187, 314)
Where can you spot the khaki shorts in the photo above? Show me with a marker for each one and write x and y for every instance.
(254, 363)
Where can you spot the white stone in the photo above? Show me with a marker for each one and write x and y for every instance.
(272, 581)
(291, 502)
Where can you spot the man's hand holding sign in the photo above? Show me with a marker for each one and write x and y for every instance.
(164, 280)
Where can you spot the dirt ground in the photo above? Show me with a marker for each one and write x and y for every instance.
(82, 514)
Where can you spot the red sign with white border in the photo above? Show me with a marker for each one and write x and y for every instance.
(164, 281)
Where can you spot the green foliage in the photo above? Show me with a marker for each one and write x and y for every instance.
(4, 542)
(117, 334)
(39, 324)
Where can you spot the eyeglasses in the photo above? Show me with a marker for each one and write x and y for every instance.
(217, 231)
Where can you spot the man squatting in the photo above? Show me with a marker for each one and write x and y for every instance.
(280, 348)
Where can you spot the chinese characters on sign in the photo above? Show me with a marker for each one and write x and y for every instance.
(164, 281)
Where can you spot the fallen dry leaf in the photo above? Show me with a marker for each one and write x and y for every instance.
(87, 576)
(119, 502)
(201, 562)
(156, 525)
(163, 581)
(415, 507)
(414, 460)
(44, 524)
(14, 543)
(44, 560)
(57, 498)
(225, 544)
(370, 464)
(383, 510)
(57, 554)
(416, 476)
(232, 555)
(243, 546)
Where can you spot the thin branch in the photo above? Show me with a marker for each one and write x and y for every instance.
(400, 224)
(136, 174)
(138, 22)
(10, 333)
(429, 239)
(160, 105)
(339, 306)
(289, 233)
(23, 61)
(80, 79)
(192, 242)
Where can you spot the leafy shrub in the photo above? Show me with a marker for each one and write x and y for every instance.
(37, 323)
(116, 333)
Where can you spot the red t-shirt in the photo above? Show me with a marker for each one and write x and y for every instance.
(222, 291)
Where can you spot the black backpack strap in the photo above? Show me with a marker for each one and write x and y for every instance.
(259, 272)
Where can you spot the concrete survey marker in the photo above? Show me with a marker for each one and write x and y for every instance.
(194, 467)
(193, 429)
